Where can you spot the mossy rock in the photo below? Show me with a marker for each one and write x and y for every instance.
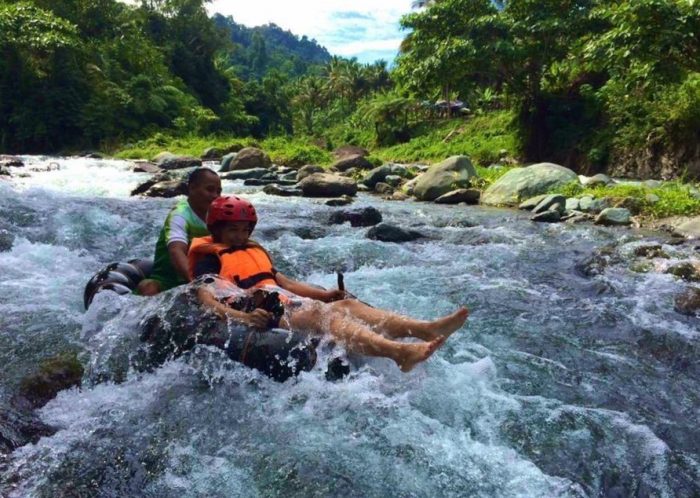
(55, 374)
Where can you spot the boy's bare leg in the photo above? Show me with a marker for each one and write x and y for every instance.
(360, 339)
(395, 325)
(148, 287)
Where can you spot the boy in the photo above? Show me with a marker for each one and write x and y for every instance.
(297, 306)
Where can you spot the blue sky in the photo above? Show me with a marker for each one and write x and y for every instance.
(366, 29)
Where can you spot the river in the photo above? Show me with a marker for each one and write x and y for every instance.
(560, 384)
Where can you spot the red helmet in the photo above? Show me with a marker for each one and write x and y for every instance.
(231, 208)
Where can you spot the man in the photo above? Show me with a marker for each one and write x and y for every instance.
(184, 222)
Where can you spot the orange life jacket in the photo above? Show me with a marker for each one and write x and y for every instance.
(247, 267)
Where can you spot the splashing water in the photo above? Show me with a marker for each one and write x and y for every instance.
(559, 385)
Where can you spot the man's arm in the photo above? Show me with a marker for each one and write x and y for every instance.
(178, 257)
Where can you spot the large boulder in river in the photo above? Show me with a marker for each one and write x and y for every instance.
(245, 174)
(614, 216)
(522, 183)
(308, 170)
(247, 158)
(452, 173)
(466, 195)
(327, 185)
(167, 188)
(356, 161)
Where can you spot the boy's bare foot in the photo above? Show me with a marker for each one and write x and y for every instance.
(415, 353)
(445, 326)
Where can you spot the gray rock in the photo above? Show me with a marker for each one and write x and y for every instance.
(349, 150)
(247, 158)
(352, 161)
(572, 204)
(590, 205)
(245, 174)
(410, 186)
(163, 156)
(385, 232)
(146, 167)
(340, 201)
(688, 302)
(613, 216)
(212, 154)
(652, 183)
(522, 183)
(599, 179)
(466, 195)
(551, 216)
(178, 162)
(168, 188)
(532, 202)
(7, 239)
(308, 170)
(383, 188)
(652, 198)
(454, 172)
(11, 162)
(689, 228)
(365, 217)
(376, 175)
(5, 171)
(327, 185)
(226, 161)
(393, 180)
(143, 188)
(553, 202)
(290, 176)
(650, 251)
(274, 189)
(257, 182)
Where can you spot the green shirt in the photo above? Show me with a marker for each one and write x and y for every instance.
(181, 225)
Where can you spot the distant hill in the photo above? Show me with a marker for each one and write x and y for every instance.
(259, 49)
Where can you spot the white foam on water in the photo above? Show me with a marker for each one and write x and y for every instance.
(79, 176)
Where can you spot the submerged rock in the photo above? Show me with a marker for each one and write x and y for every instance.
(521, 183)
(54, 375)
(688, 302)
(685, 270)
(452, 173)
(650, 251)
(7, 239)
(385, 232)
(275, 189)
(340, 201)
(365, 217)
(11, 162)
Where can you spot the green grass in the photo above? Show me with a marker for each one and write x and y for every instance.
(675, 197)
(282, 150)
(482, 138)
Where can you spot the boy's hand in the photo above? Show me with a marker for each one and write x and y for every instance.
(334, 295)
(258, 318)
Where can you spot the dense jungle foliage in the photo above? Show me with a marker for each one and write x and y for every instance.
(582, 81)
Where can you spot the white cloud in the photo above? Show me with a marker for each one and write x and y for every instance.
(362, 28)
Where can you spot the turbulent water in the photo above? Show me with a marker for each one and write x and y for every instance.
(559, 385)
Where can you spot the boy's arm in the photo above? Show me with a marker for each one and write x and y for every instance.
(258, 318)
(306, 290)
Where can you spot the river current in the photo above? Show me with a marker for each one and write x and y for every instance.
(560, 384)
